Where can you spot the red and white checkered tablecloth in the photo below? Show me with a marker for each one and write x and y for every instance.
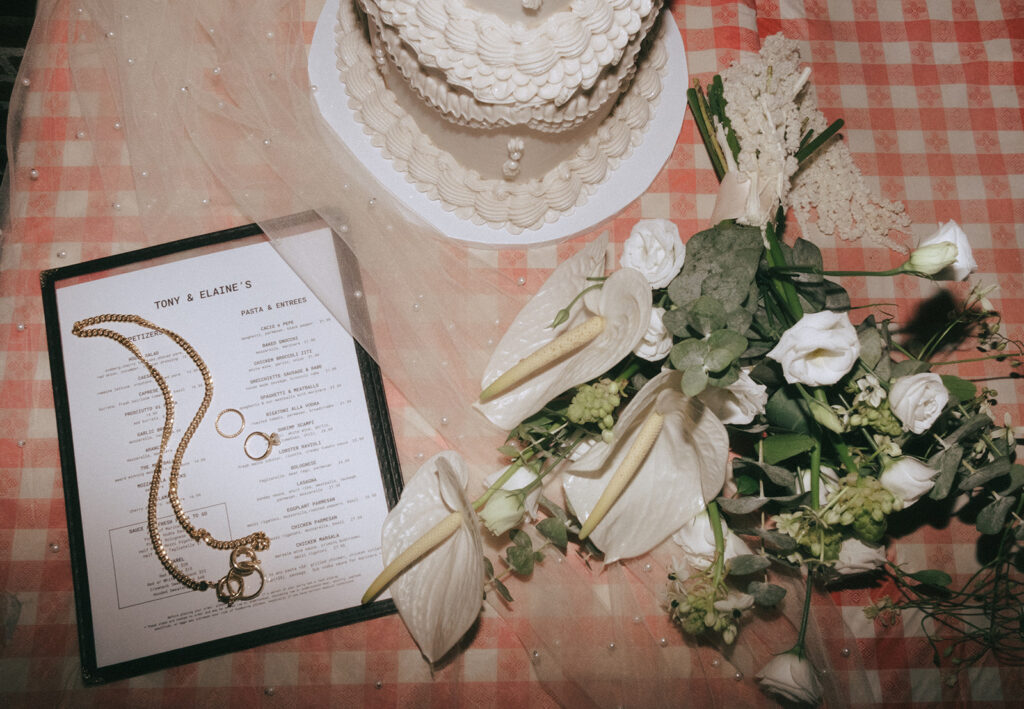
(932, 92)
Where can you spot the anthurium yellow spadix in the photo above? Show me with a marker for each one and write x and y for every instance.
(439, 592)
(683, 467)
(535, 362)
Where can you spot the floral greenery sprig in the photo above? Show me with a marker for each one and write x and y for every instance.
(632, 387)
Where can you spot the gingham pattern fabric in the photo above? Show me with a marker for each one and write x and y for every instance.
(931, 94)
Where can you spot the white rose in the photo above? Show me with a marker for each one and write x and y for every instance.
(965, 264)
(697, 539)
(908, 479)
(654, 248)
(856, 557)
(520, 479)
(792, 678)
(657, 340)
(737, 403)
(917, 400)
(828, 483)
(818, 350)
(503, 511)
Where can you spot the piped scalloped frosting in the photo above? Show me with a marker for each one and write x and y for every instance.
(461, 107)
(510, 63)
(498, 203)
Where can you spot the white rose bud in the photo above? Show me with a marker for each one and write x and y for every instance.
(657, 342)
(820, 349)
(964, 263)
(737, 403)
(503, 511)
(856, 557)
(655, 249)
(792, 678)
(908, 479)
(933, 258)
(917, 400)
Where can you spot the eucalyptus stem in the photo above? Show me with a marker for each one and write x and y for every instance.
(799, 647)
(715, 517)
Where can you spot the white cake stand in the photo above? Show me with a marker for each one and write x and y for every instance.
(624, 184)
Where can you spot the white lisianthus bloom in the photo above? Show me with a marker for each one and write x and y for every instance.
(792, 678)
(964, 263)
(440, 595)
(918, 400)
(697, 538)
(818, 350)
(856, 557)
(657, 342)
(737, 403)
(686, 464)
(623, 303)
(908, 479)
(654, 248)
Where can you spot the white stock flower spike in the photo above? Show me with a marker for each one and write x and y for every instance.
(533, 363)
(434, 557)
(685, 462)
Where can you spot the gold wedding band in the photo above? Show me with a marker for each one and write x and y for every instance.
(241, 427)
(272, 440)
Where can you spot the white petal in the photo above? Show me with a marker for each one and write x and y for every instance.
(625, 303)
(439, 597)
(686, 466)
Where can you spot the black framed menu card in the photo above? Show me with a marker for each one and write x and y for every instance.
(225, 445)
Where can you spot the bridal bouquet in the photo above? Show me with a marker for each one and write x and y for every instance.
(720, 395)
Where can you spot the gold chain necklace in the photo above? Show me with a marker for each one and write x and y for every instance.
(231, 587)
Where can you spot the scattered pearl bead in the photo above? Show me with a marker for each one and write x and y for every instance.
(378, 684)
(130, 61)
(372, 202)
(415, 307)
(343, 228)
(647, 568)
(611, 646)
(62, 253)
(535, 656)
(184, 89)
(26, 81)
(270, 35)
(521, 281)
(358, 294)
(314, 88)
(269, 691)
(204, 201)
(663, 642)
(144, 173)
(80, 134)
(117, 125)
(216, 70)
(54, 547)
(637, 619)
(21, 443)
(845, 652)
(738, 676)
(21, 327)
(272, 76)
(716, 662)
(110, 35)
(444, 420)
(33, 174)
(267, 141)
(116, 205)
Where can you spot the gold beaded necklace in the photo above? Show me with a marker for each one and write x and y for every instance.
(231, 587)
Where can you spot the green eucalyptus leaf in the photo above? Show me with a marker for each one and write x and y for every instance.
(746, 564)
(554, 531)
(967, 428)
(739, 319)
(984, 474)
(908, 367)
(725, 377)
(993, 515)
(729, 340)
(707, 314)
(1016, 479)
(777, 542)
(520, 558)
(779, 475)
(746, 485)
(947, 462)
(720, 262)
(688, 353)
(520, 538)
(932, 577)
(718, 360)
(786, 445)
(488, 568)
(502, 590)
(741, 505)
(872, 345)
(694, 380)
(959, 389)
(677, 322)
(766, 595)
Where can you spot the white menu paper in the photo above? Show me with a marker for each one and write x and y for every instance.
(278, 356)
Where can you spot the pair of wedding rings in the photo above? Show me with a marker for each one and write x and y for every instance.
(244, 563)
(271, 439)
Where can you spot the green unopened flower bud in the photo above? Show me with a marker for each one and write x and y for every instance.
(503, 511)
(824, 415)
(931, 259)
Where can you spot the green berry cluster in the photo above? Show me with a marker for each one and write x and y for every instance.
(880, 418)
(691, 604)
(814, 536)
(596, 403)
(862, 504)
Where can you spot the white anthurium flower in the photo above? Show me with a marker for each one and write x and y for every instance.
(654, 248)
(918, 400)
(439, 596)
(686, 463)
(792, 678)
(818, 350)
(697, 538)
(856, 557)
(908, 479)
(737, 403)
(657, 341)
(964, 263)
(610, 323)
(520, 479)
